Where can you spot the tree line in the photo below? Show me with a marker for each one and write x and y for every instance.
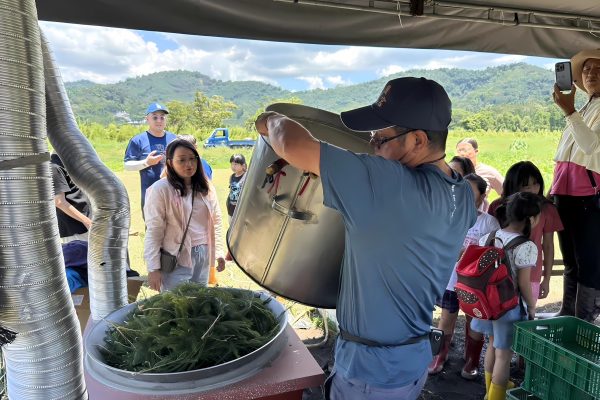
(202, 115)
(513, 97)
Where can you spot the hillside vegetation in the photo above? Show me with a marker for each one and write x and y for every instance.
(512, 97)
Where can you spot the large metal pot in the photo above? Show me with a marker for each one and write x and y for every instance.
(179, 383)
(281, 234)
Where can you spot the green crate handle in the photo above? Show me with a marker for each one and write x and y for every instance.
(520, 394)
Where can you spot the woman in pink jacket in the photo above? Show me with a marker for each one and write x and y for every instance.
(168, 208)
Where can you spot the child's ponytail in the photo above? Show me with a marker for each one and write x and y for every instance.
(520, 207)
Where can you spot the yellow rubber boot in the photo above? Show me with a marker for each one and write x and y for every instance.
(212, 277)
(488, 382)
(497, 392)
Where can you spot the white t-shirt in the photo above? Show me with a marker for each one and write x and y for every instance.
(485, 224)
(523, 256)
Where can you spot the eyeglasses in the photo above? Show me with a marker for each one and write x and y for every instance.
(183, 161)
(159, 117)
(378, 141)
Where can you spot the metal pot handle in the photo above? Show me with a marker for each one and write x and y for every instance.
(299, 215)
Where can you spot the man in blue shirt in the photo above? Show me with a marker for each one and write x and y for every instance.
(406, 213)
(146, 151)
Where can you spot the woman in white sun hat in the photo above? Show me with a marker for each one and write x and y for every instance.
(576, 189)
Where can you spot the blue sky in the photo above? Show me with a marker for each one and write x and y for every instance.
(108, 55)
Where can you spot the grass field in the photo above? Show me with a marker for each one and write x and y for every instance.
(500, 150)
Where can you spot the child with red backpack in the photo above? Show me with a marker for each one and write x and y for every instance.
(524, 176)
(473, 340)
(522, 213)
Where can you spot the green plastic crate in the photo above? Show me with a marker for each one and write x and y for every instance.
(566, 347)
(520, 394)
(547, 386)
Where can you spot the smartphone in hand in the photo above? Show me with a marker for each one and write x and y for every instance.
(564, 78)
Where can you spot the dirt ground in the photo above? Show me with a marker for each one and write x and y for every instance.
(447, 385)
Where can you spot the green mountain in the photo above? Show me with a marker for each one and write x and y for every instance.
(516, 96)
(469, 89)
(115, 102)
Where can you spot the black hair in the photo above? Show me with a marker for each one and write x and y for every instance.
(471, 141)
(199, 179)
(238, 159)
(518, 175)
(55, 159)
(189, 138)
(437, 139)
(479, 182)
(520, 207)
(465, 164)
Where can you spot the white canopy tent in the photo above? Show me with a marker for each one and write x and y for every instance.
(548, 28)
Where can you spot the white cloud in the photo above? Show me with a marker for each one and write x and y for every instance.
(390, 70)
(106, 55)
(463, 61)
(314, 82)
(338, 81)
(508, 59)
(449, 62)
(98, 54)
(345, 59)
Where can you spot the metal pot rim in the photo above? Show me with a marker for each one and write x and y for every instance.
(96, 336)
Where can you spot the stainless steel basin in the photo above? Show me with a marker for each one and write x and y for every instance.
(281, 235)
(179, 382)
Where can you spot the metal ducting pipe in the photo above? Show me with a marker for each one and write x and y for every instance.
(107, 252)
(45, 360)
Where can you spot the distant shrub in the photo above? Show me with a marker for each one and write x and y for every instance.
(518, 145)
(111, 132)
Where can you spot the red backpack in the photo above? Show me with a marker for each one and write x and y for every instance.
(486, 287)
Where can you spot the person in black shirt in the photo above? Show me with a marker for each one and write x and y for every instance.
(236, 182)
(73, 210)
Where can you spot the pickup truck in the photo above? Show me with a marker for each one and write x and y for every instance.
(220, 137)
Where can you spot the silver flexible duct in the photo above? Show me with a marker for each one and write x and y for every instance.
(45, 361)
(107, 254)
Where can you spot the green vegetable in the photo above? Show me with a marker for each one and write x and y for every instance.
(189, 328)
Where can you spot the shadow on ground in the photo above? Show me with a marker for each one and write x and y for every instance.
(447, 385)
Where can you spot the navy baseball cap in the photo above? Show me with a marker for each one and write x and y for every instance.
(414, 103)
(156, 107)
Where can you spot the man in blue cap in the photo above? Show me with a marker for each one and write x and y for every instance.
(406, 213)
(146, 151)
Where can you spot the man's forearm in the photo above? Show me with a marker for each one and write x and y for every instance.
(497, 185)
(135, 165)
(294, 143)
(72, 212)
